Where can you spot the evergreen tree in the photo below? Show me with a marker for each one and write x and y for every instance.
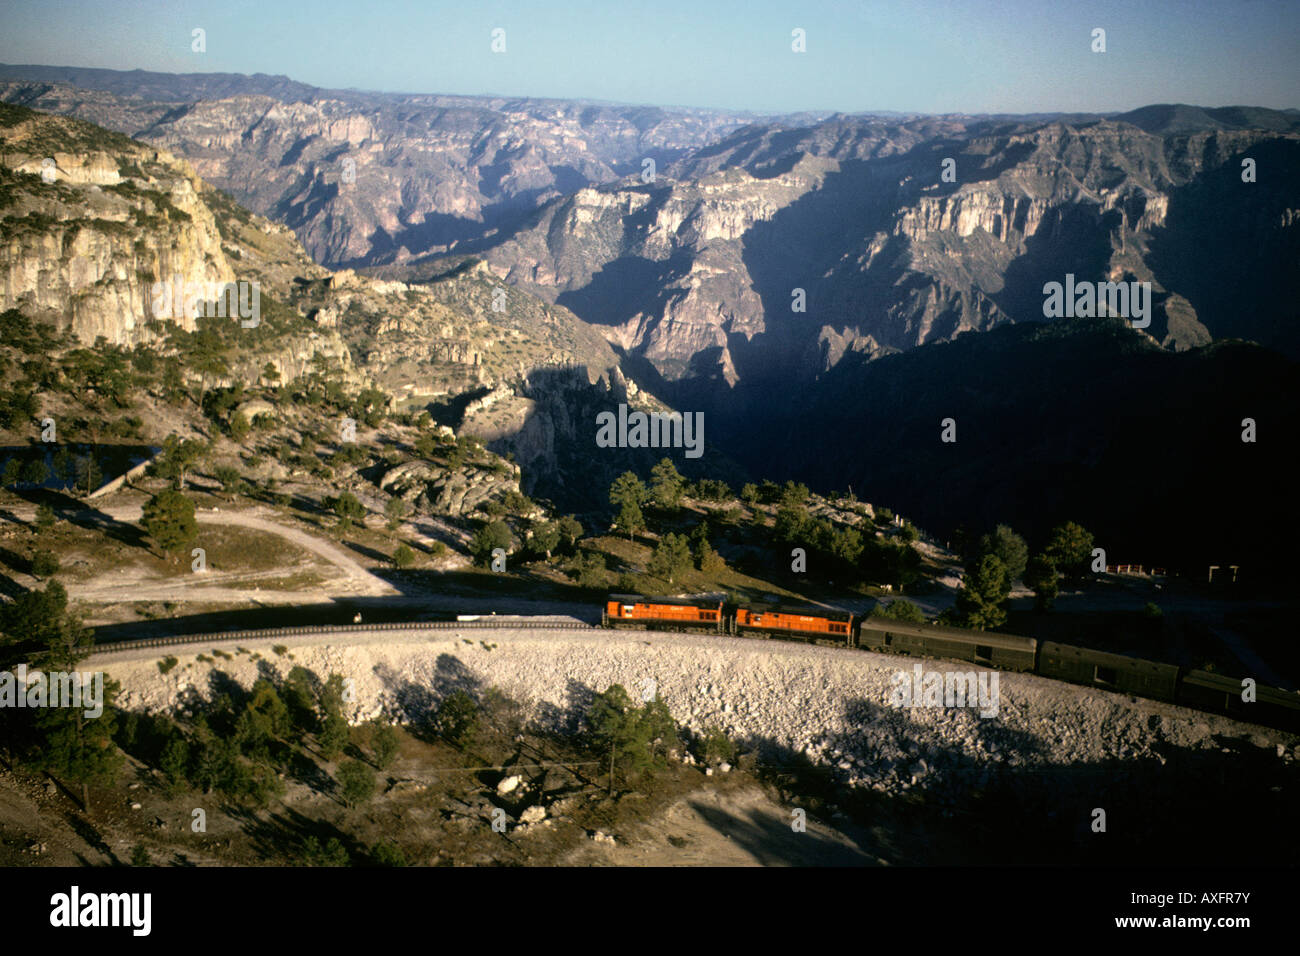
(1070, 548)
(632, 735)
(335, 733)
(457, 719)
(666, 485)
(44, 517)
(169, 519)
(395, 510)
(1009, 548)
(671, 558)
(570, 531)
(356, 782)
(348, 509)
(488, 538)
(384, 744)
(980, 601)
(545, 538)
(1041, 577)
(899, 611)
(628, 493)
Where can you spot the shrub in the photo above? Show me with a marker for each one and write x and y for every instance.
(387, 853)
(167, 663)
(44, 517)
(45, 564)
(457, 719)
(384, 744)
(356, 782)
(403, 556)
(331, 853)
(715, 746)
(899, 611)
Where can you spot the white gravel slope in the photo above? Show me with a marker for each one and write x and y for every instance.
(831, 705)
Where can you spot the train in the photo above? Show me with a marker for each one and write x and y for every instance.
(1186, 687)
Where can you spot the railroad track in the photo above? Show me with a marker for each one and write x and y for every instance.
(182, 640)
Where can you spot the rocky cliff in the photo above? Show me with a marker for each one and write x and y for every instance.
(366, 178)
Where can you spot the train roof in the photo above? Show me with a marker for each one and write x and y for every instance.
(1232, 685)
(830, 614)
(941, 631)
(660, 599)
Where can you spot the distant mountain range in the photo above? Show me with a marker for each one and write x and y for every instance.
(768, 269)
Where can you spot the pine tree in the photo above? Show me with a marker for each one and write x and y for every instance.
(1041, 577)
(628, 493)
(169, 519)
(979, 602)
(671, 558)
(666, 485)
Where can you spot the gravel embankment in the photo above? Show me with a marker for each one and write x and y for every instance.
(831, 705)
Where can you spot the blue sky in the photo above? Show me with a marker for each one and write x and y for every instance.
(933, 56)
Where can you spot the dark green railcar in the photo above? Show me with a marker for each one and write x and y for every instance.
(1222, 694)
(1126, 675)
(1004, 651)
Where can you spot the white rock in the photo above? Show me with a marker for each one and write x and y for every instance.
(725, 767)
(508, 785)
(533, 814)
(708, 771)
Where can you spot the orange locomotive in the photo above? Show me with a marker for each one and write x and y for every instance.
(668, 612)
(807, 623)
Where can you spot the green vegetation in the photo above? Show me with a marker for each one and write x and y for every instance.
(899, 611)
(356, 783)
(715, 747)
(1041, 578)
(981, 600)
(671, 558)
(45, 564)
(489, 537)
(395, 510)
(169, 519)
(457, 719)
(348, 509)
(628, 493)
(666, 485)
(633, 737)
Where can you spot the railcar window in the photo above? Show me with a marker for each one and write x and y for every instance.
(1104, 675)
(983, 652)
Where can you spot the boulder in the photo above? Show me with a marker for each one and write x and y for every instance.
(508, 785)
(533, 814)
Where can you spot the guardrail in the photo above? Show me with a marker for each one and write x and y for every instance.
(321, 629)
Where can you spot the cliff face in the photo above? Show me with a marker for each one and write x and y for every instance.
(779, 249)
(82, 247)
(374, 178)
(85, 244)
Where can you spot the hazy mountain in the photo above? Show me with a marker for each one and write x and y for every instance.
(697, 272)
(428, 172)
(693, 276)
